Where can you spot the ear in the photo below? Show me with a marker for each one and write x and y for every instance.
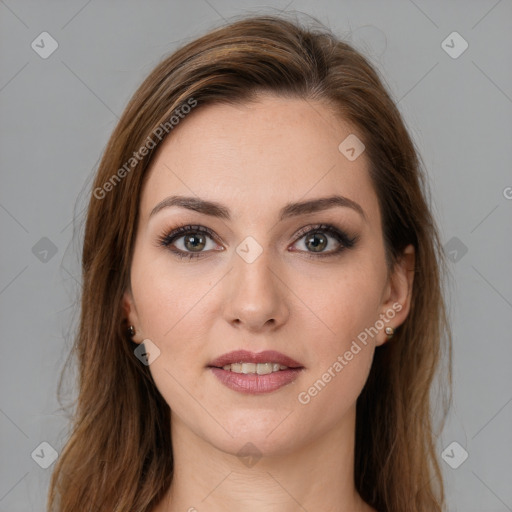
(131, 316)
(397, 295)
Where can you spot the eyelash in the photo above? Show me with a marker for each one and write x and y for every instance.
(345, 241)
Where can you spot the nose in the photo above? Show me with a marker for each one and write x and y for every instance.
(256, 295)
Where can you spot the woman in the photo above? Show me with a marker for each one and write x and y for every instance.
(262, 315)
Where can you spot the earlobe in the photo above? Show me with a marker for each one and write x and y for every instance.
(397, 303)
(130, 316)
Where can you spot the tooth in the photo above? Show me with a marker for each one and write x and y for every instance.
(248, 368)
(263, 368)
(236, 367)
(254, 368)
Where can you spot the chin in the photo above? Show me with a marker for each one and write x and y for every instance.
(260, 434)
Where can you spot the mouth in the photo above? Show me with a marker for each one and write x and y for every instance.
(262, 363)
(254, 368)
(255, 373)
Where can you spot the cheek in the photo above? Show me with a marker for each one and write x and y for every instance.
(167, 297)
(175, 312)
(343, 348)
(343, 343)
(342, 303)
(329, 394)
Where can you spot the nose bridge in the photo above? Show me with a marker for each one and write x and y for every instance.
(253, 267)
(255, 296)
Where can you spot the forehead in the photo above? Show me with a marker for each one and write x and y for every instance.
(259, 155)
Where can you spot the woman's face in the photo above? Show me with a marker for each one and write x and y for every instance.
(277, 270)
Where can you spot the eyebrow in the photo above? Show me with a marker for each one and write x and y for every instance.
(215, 209)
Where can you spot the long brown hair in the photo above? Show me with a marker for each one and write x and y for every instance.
(119, 454)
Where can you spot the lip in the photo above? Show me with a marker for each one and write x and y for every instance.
(244, 356)
(254, 384)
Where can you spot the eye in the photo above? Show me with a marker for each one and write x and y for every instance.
(315, 239)
(189, 241)
(194, 241)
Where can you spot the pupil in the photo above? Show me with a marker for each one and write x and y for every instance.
(190, 240)
(317, 241)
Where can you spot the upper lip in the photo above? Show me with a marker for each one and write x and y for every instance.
(244, 356)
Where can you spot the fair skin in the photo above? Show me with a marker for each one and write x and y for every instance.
(255, 159)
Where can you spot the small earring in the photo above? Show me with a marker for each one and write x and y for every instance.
(389, 331)
(131, 331)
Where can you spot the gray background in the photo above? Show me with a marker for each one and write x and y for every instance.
(56, 115)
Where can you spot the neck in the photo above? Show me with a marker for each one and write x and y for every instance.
(317, 476)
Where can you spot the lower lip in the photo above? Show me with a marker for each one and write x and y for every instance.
(254, 384)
